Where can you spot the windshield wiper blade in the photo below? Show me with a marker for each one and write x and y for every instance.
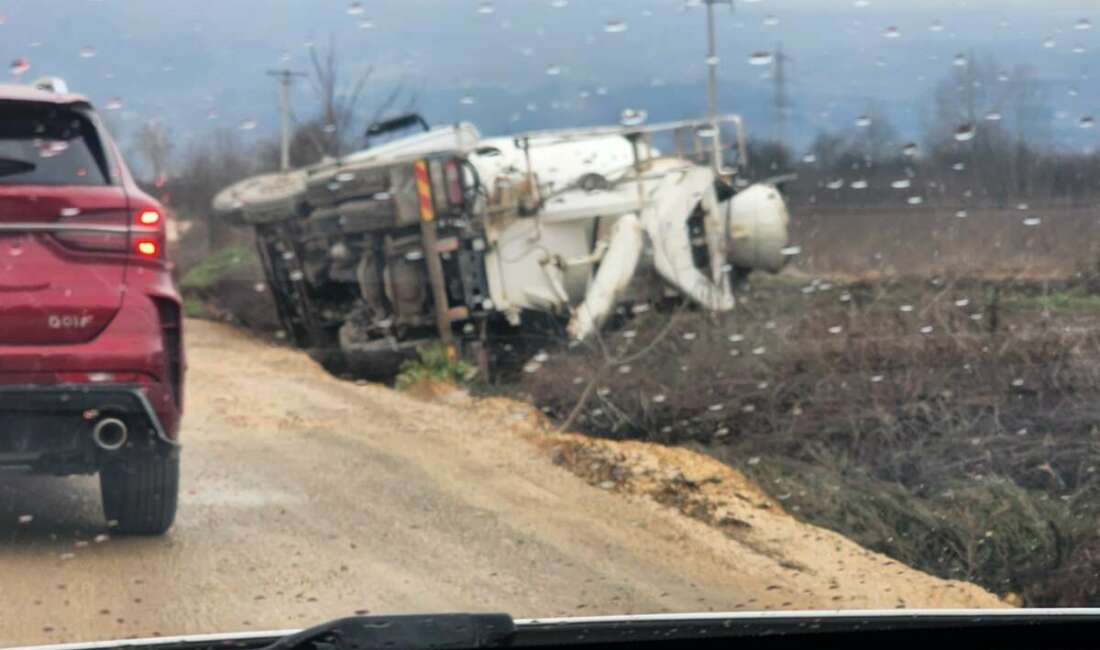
(13, 166)
(418, 632)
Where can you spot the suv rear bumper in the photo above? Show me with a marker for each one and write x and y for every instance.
(49, 428)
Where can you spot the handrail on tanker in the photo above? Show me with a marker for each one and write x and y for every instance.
(554, 136)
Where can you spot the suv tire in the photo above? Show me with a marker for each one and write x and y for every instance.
(140, 492)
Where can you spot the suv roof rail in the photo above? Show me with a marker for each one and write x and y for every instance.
(52, 85)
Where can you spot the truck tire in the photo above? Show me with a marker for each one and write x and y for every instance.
(140, 493)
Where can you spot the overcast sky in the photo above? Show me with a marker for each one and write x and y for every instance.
(513, 64)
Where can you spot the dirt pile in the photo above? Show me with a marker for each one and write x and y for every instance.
(777, 550)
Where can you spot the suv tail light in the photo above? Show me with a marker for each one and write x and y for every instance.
(141, 234)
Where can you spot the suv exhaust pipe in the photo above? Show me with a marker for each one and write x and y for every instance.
(109, 434)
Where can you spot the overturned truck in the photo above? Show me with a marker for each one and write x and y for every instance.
(448, 236)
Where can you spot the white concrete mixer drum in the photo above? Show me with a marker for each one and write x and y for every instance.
(758, 221)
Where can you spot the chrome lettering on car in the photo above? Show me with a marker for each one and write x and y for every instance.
(68, 322)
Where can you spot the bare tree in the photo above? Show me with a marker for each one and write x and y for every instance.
(205, 169)
(155, 148)
(338, 101)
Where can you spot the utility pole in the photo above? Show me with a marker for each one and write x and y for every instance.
(712, 58)
(286, 78)
(780, 101)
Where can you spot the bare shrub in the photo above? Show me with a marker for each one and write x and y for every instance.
(950, 424)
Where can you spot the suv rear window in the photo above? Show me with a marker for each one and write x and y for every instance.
(49, 145)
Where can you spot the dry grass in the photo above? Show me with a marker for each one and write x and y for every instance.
(950, 423)
(925, 240)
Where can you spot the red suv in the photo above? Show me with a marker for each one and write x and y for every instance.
(91, 356)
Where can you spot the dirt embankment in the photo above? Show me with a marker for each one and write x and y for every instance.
(777, 552)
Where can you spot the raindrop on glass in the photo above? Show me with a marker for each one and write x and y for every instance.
(965, 133)
(632, 117)
(614, 27)
(760, 58)
(891, 32)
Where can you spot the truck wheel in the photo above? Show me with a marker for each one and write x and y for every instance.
(140, 493)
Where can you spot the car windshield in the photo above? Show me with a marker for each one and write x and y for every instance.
(560, 308)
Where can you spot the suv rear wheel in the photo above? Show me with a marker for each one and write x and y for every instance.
(140, 492)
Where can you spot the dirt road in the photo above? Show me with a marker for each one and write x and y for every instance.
(305, 498)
